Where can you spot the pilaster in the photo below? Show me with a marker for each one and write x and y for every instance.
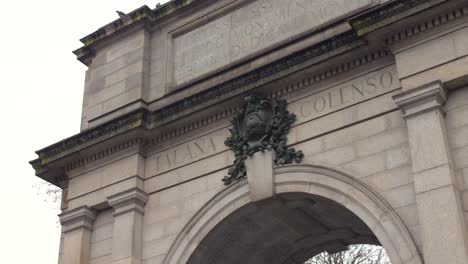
(77, 225)
(260, 175)
(437, 196)
(128, 208)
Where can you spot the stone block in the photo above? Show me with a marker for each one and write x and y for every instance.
(464, 196)
(395, 120)
(373, 107)
(126, 45)
(196, 202)
(101, 233)
(121, 100)
(381, 142)
(95, 84)
(409, 215)
(400, 196)
(156, 214)
(390, 179)
(260, 175)
(194, 187)
(354, 133)
(460, 157)
(170, 195)
(457, 118)
(103, 176)
(154, 231)
(450, 71)
(106, 93)
(458, 137)
(154, 260)
(433, 178)
(331, 158)
(196, 169)
(442, 49)
(428, 142)
(101, 248)
(127, 238)
(174, 226)
(398, 157)
(98, 197)
(135, 81)
(443, 229)
(107, 259)
(93, 112)
(76, 247)
(157, 247)
(457, 98)
(415, 59)
(364, 167)
(123, 74)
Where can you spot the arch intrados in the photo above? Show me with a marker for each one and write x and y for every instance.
(354, 195)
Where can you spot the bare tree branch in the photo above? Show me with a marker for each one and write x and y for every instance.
(357, 254)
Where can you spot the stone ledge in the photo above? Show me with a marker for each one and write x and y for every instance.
(81, 217)
(127, 201)
(422, 99)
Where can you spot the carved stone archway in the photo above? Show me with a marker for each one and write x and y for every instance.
(329, 184)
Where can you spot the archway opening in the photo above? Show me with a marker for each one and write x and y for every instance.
(287, 228)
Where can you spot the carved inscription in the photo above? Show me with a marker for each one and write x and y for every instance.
(187, 152)
(252, 28)
(346, 94)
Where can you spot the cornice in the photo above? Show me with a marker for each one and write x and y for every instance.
(427, 25)
(393, 11)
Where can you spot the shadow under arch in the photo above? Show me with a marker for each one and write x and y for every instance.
(336, 186)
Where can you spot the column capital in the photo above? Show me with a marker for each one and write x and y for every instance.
(78, 218)
(428, 97)
(127, 201)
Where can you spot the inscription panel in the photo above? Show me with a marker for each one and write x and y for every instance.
(346, 94)
(250, 29)
(186, 153)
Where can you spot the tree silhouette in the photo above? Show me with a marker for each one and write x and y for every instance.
(357, 254)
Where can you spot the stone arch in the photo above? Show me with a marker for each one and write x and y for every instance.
(339, 187)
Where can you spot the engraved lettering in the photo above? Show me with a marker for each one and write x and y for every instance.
(348, 93)
(186, 153)
(357, 89)
(305, 106)
(386, 80)
(342, 96)
(249, 29)
(320, 104)
(331, 100)
(371, 85)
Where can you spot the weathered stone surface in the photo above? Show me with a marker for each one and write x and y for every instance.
(260, 171)
(251, 28)
(399, 181)
(346, 94)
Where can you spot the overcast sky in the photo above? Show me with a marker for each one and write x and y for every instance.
(41, 93)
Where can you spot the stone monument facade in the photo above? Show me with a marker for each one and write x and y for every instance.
(331, 122)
